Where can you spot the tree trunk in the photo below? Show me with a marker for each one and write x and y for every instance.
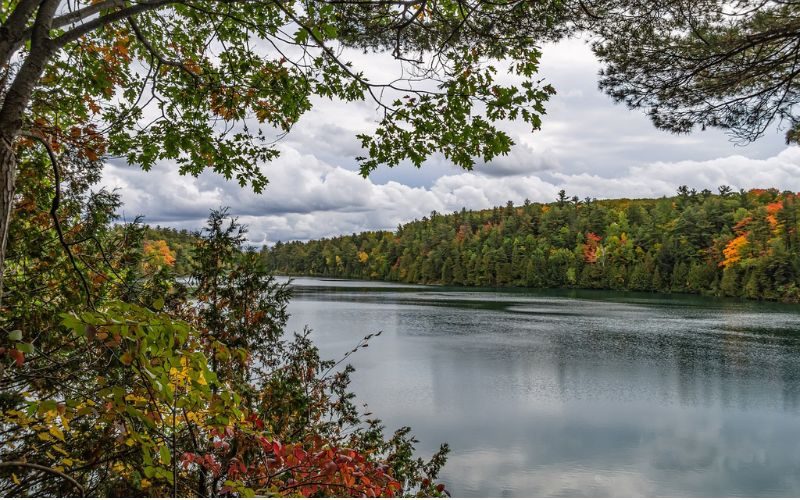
(8, 176)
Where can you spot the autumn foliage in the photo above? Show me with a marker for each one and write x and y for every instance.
(312, 470)
(156, 390)
(157, 253)
(590, 247)
(733, 250)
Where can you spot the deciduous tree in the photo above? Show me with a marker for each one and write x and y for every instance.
(211, 84)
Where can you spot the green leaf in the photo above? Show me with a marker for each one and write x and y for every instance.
(15, 335)
(330, 31)
(47, 405)
(27, 348)
(163, 452)
(158, 304)
(301, 36)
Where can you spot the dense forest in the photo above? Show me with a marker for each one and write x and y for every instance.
(738, 244)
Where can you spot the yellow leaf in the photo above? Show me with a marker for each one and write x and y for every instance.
(57, 433)
(15, 478)
(60, 450)
(146, 483)
(44, 436)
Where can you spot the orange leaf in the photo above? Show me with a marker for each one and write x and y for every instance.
(126, 358)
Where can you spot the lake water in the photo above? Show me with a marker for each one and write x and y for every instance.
(575, 393)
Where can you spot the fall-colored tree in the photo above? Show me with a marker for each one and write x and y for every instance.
(590, 248)
(733, 250)
(772, 212)
(186, 81)
(158, 254)
(119, 382)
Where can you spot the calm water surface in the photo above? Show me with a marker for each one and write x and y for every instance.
(575, 393)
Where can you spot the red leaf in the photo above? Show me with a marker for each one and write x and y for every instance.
(19, 356)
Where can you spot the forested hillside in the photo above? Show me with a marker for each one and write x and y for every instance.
(741, 244)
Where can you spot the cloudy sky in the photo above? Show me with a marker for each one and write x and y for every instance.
(588, 146)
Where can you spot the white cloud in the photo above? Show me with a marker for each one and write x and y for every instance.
(308, 198)
(587, 146)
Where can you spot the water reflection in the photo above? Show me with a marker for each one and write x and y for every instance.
(572, 393)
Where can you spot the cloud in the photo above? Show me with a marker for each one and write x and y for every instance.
(523, 159)
(308, 198)
(587, 145)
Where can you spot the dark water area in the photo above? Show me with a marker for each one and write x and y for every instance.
(575, 393)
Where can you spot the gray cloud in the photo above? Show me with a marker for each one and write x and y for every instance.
(587, 145)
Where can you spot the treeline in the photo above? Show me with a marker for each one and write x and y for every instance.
(738, 244)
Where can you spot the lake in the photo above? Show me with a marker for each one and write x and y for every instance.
(575, 393)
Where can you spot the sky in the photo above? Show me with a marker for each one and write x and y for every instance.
(588, 146)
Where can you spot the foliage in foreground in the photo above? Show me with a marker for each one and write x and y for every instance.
(116, 381)
(733, 244)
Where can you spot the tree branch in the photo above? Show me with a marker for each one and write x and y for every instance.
(119, 15)
(153, 52)
(85, 12)
(44, 468)
(19, 93)
(13, 29)
(54, 211)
